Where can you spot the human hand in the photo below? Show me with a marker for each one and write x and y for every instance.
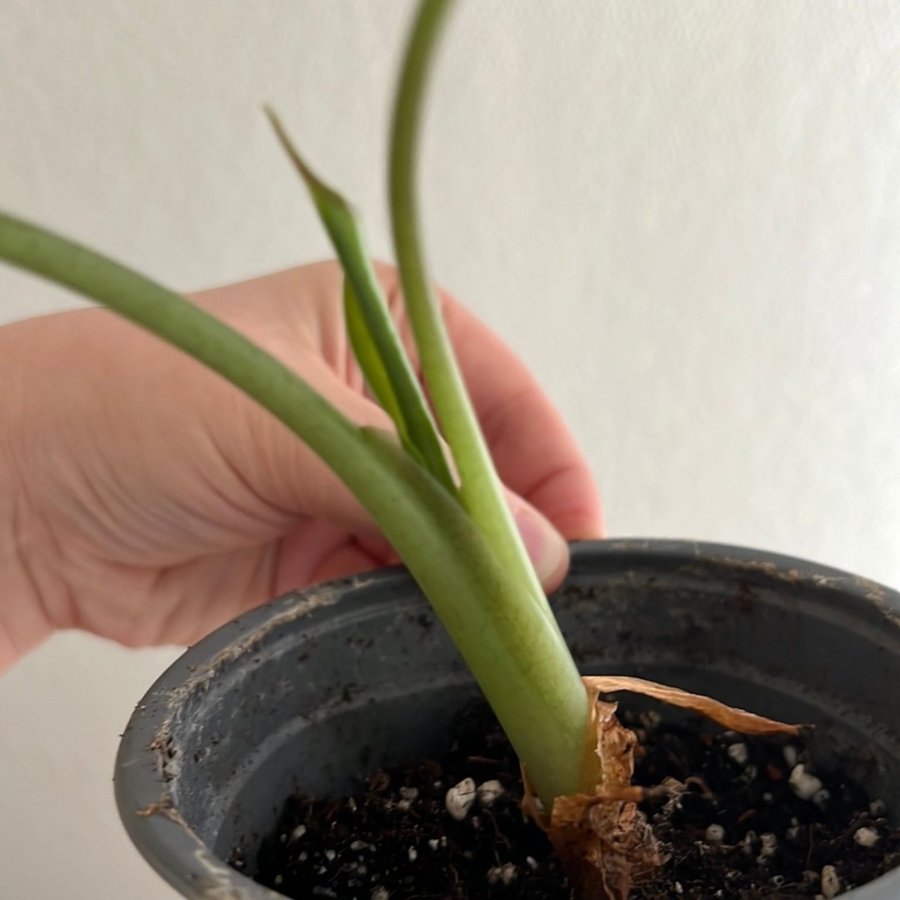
(146, 500)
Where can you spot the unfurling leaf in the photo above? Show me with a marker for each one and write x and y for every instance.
(376, 344)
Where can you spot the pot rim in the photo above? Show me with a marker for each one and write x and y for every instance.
(176, 852)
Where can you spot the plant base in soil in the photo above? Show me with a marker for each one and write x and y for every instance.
(756, 818)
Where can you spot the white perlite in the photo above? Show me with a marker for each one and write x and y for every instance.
(505, 874)
(866, 837)
(830, 884)
(739, 753)
(488, 792)
(804, 785)
(459, 799)
(750, 839)
(380, 893)
(768, 845)
(715, 833)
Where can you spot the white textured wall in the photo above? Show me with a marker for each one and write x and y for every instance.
(686, 216)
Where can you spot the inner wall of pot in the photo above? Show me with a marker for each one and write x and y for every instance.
(317, 709)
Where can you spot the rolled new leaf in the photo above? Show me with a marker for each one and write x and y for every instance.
(372, 365)
(381, 357)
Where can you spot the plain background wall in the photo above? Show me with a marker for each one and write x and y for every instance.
(685, 216)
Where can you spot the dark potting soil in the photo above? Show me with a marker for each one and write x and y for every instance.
(757, 819)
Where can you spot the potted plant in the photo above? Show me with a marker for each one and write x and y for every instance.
(444, 511)
(321, 688)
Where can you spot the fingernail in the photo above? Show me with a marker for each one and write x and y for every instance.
(548, 551)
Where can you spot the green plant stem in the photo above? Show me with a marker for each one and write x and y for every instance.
(519, 660)
(570, 766)
(480, 488)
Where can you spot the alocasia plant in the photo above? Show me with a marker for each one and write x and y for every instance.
(432, 487)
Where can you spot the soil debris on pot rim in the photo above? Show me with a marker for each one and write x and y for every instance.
(756, 819)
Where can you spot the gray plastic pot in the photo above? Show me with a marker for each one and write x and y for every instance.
(321, 687)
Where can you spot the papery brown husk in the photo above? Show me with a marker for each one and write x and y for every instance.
(603, 840)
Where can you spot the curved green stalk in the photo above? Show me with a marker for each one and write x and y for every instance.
(480, 489)
(571, 767)
(520, 662)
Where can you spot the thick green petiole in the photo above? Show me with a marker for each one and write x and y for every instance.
(480, 488)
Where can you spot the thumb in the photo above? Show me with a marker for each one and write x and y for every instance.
(547, 549)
